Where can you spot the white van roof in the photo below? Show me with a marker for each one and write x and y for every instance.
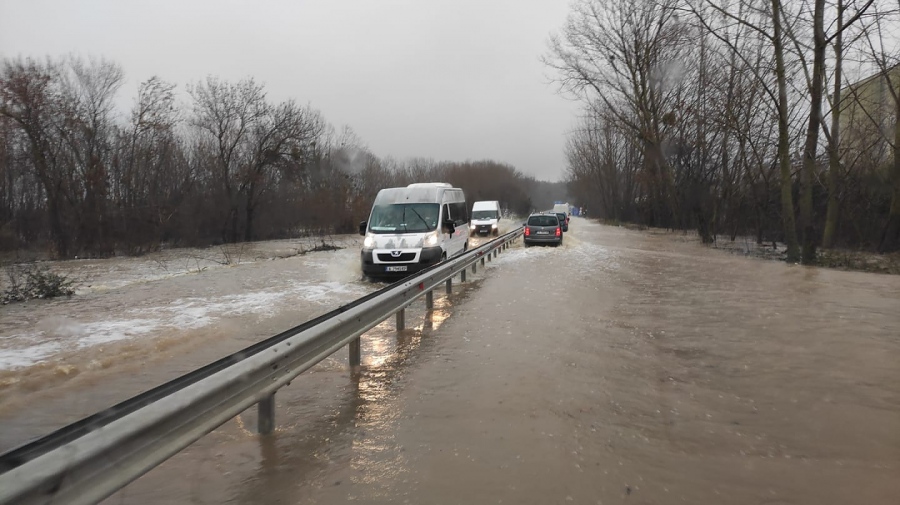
(430, 185)
(486, 205)
(419, 193)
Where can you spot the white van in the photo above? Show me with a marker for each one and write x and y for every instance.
(486, 217)
(561, 207)
(412, 228)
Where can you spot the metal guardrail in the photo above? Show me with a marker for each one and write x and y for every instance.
(91, 459)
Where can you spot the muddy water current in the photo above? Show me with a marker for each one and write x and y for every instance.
(621, 367)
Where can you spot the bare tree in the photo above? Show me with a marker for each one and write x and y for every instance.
(627, 56)
(89, 89)
(815, 78)
(248, 140)
(602, 165)
(153, 178)
(30, 97)
(768, 26)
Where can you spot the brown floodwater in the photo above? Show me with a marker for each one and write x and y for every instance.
(621, 367)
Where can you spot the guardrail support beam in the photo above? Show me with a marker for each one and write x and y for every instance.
(355, 351)
(449, 286)
(401, 319)
(265, 409)
(462, 275)
(429, 300)
(482, 261)
(474, 267)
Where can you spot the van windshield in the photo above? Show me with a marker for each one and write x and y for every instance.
(485, 214)
(404, 218)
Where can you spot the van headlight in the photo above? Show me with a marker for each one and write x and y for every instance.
(494, 226)
(431, 239)
(369, 242)
(472, 227)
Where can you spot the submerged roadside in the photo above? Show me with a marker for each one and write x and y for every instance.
(836, 258)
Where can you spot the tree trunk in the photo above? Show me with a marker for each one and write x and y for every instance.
(233, 217)
(248, 226)
(60, 235)
(784, 159)
(807, 175)
(834, 144)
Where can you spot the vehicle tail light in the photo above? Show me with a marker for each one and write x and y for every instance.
(558, 231)
(527, 231)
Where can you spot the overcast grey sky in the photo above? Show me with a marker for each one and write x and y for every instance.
(444, 79)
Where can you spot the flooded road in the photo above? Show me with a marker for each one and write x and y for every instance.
(621, 367)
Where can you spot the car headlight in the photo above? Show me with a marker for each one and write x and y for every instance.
(369, 242)
(431, 239)
(494, 226)
(472, 227)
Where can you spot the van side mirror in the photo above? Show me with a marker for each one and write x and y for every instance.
(362, 227)
(449, 226)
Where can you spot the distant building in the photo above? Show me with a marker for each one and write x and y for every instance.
(869, 115)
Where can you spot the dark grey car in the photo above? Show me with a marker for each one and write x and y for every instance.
(543, 229)
(563, 220)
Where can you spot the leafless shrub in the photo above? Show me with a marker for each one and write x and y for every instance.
(31, 281)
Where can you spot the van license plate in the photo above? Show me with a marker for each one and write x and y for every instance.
(396, 269)
(543, 233)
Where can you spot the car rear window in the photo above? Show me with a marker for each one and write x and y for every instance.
(543, 221)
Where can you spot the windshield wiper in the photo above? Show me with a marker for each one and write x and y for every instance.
(419, 216)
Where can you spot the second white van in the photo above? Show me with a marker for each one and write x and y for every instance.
(486, 217)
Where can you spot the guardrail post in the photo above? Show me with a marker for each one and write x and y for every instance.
(482, 261)
(474, 266)
(265, 409)
(401, 319)
(490, 255)
(462, 275)
(449, 286)
(355, 351)
(429, 300)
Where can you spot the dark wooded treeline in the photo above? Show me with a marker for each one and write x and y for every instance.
(77, 178)
(736, 118)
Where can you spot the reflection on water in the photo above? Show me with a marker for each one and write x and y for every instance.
(336, 430)
(437, 316)
(354, 444)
